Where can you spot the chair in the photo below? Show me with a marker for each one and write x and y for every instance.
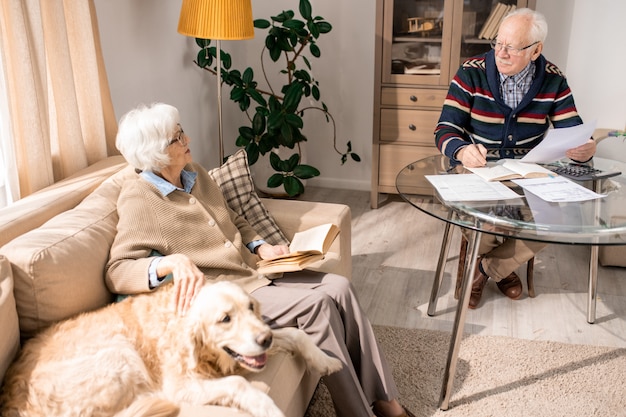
(459, 272)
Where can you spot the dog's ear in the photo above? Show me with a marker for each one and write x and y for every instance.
(256, 307)
(203, 356)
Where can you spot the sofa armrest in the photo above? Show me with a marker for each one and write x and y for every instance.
(10, 341)
(295, 215)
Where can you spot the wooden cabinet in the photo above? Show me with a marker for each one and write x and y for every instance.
(419, 47)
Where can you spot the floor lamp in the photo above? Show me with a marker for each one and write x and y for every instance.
(217, 20)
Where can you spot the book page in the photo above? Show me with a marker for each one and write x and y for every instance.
(496, 172)
(527, 169)
(318, 238)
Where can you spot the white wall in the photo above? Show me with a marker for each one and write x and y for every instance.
(147, 60)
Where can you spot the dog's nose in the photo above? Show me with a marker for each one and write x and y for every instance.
(264, 339)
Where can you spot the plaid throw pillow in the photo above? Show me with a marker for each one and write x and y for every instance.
(235, 181)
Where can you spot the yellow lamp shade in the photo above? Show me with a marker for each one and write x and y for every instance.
(216, 19)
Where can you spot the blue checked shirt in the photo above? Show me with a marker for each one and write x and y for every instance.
(513, 88)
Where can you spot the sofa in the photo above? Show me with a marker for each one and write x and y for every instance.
(54, 245)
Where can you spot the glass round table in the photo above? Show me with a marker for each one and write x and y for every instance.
(594, 222)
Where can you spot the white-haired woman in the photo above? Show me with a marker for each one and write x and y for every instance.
(174, 220)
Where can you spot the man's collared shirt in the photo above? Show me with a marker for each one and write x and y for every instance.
(514, 87)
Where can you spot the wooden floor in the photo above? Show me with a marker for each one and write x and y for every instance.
(395, 250)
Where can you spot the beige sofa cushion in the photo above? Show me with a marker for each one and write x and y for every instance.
(10, 340)
(33, 211)
(57, 268)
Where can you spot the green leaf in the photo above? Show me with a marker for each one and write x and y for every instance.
(237, 93)
(275, 161)
(294, 24)
(294, 120)
(313, 29)
(293, 95)
(258, 124)
(287, 134)
(256, 96)
(355, 157)
(247, 133)
(293, 186)
(305, 171)
(306, 9)
(316, 92)
(306, 61)
(275, 53)
(276, 180)
(248, 75)
(253, 153)
(227, 61)
(203, 43)
(204, 59)
(324, 27)
(292, 162)
(261, 23)
(315, 50)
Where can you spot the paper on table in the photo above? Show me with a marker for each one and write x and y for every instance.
(557, 189)
(557, 141)
(469, 187)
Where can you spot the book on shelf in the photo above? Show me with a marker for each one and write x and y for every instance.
(488, 22)
(306, 247)
(492, 24)
(511, 169)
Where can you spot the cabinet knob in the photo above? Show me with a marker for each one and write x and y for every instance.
(413, 98)
(412, 126)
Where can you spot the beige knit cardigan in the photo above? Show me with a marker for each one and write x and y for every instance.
(199, 225)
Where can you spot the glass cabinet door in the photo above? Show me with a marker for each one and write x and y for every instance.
(476, 23)
(416, 45)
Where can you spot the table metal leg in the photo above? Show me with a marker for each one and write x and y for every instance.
(593, 267)
(593, 285)
(459, 321)
(441, 264)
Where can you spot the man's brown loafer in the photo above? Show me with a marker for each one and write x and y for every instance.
(511, 286)
(478, 285)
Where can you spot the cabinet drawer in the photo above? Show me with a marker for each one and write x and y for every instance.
(395, 157)
(414, 126)
(413, 97)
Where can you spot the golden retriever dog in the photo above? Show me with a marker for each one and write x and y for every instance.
(139, 358)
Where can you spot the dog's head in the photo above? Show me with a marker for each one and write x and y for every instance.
(227, 330)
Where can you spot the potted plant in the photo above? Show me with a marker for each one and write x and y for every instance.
(276, 114)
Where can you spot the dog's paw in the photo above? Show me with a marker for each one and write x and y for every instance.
(328, 365)
(265, 408)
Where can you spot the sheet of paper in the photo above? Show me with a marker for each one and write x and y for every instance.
(557, 189)
(557, 141)
(469, 187)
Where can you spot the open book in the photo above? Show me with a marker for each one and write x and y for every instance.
(306, 247)
(511, 169)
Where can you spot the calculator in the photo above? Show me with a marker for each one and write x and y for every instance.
(580, 172)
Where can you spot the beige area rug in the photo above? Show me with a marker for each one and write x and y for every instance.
(500, 377)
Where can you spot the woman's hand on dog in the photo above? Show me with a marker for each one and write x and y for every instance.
(188, 279)
(267, 251)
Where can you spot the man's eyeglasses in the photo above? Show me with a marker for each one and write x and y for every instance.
(498, 46)
(180, 137)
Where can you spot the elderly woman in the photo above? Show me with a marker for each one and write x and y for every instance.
(174, 220)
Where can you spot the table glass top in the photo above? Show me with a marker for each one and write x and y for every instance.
(598, 222)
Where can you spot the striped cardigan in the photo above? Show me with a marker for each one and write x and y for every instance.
(474, 109)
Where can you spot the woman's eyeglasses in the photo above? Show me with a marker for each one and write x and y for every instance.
(180, 137)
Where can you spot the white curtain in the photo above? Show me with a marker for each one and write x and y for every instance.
(61, 114)
(9, 188)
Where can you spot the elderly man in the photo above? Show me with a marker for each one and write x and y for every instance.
(500, 105)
